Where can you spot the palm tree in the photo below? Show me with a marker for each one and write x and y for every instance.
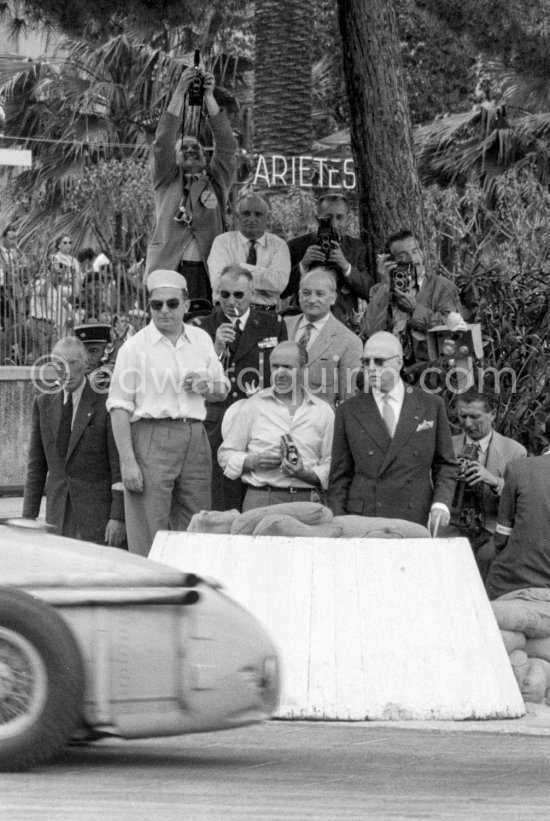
(282, 81)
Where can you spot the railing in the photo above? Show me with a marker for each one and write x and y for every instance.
(36, 311)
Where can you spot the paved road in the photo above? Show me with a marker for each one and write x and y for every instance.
(292, 770)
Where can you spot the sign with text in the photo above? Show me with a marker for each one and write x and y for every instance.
(305, 171)
(15, 156)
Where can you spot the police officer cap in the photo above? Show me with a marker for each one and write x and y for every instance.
(94, 332)
(165, 279)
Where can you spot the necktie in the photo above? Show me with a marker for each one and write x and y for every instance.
(306, 336)
(238, 333)
(388, 415)
(251, 258)
(64, 429)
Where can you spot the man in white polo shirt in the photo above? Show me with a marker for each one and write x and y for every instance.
(162, 376)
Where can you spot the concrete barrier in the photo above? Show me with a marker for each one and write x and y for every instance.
(16, 399)
(367, 628)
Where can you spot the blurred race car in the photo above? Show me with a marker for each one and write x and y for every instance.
(97, 642)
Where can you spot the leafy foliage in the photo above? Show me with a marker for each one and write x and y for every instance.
(501, 254)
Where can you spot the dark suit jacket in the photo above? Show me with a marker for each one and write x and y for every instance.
(167, 243)
(373, 474)
(524, 507)
(243, 364)
(85, 476)
(333, 360)
(350, 289)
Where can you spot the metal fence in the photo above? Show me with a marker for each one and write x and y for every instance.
(36, 309)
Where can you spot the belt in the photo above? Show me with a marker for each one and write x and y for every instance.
(183, 419)
(291, 490)
(270, 308)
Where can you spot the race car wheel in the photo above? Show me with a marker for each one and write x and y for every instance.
(41, 681)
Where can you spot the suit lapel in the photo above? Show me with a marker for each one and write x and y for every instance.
(53, 415)
(83, 417)
(250, 336)
(409, 419)
(375, 428)
(323, 341)
(495, 454)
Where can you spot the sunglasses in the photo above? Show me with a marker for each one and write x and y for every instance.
(377, 361)
(227, 294)
(171, 304)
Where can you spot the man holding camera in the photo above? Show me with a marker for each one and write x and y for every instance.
(482, 455)
(407, 300)
(264, 254)
(332, 247)
(190, 200)
(258, 433)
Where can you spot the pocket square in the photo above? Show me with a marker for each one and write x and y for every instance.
(426, 424)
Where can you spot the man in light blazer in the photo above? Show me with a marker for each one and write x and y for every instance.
(79, 469)
(334, 352)
(392, 452)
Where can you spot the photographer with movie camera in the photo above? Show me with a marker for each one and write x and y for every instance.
(482, 454)
(331, 247)
(190, 197)
(407, 300)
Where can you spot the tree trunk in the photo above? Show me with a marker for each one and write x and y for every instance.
(282, 85)
(387, 180)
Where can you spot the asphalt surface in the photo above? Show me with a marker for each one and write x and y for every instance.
(298, 770)
(292, 770)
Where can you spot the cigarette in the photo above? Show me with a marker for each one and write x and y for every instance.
(236, 311)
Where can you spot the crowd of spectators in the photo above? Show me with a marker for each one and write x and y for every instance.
(243, 371)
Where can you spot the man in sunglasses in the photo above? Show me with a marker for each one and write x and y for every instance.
(392, 453)
(190, 199)
(264, 254)
(243, 339)
(347, 258)
(162, 377)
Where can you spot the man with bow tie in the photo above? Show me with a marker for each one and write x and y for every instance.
(243, 340)
(392, 453)
(73, 456)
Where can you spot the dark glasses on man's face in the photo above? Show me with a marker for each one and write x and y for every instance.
(377, 361)
(171, 304)
(227, 294)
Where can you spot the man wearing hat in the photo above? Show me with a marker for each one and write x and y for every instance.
(162, 377)
(96, 337)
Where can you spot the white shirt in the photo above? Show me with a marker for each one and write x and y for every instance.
(270, 273)
(316, 329)
(258, 426)
(242, 319)
(50, 302)
(149, 372)
(396, 397)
